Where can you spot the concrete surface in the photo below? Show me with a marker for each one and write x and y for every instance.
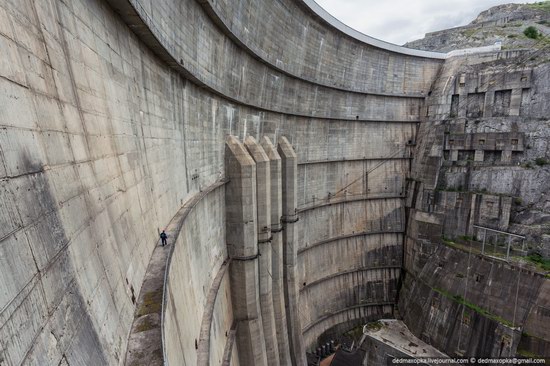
(115, 113)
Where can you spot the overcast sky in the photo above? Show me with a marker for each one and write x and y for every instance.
(400, 21)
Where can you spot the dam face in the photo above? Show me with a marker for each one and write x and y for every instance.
(274, 145)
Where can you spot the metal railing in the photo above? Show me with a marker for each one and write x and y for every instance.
(509, 236)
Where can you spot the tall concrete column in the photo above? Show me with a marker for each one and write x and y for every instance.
(277, 250)
(242, 247)
(263, 199)
(289, 168)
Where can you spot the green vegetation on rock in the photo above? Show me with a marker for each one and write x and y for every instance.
(374, 326)
(469, 32)
(459, 299)
(532, 32)
(541, 263)
(355, 333)
(525, 353)
(541, 161)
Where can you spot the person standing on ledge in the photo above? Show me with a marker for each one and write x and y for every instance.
(163, 237)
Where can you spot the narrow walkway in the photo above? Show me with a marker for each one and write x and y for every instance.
(145, 341)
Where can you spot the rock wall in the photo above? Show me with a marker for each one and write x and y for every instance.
(466, 304)
(477, 208)
(504, 24)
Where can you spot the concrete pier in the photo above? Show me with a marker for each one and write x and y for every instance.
(289, 168)
(277, 259)
(242, 247)
(263, 196)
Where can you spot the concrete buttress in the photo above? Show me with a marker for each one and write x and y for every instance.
(242, 247)
(289, 165)
(263, 200)
(277, 250)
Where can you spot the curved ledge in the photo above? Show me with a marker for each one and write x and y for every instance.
(363, 197)
(151, 304)
(181, 216)
(334, 275)
(209, 9)
(330, 161)
(328, 316)
(228, 350)
(137, 19)
(336, 238)
(378, 120)
(318, 11)
(203, 353)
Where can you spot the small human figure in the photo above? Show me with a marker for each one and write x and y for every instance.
(163, 237)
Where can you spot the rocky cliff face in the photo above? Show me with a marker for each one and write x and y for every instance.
(503, 23)
(477, 246)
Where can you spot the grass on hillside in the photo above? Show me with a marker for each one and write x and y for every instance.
(541, 5)
(541, 263)
(532, 32)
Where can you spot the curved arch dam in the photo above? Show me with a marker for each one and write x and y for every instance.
(273, 144)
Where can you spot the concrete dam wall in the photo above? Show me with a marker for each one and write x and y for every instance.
(104, 139)
(273, 145)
